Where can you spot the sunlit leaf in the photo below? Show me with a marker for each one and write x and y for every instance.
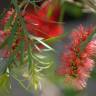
(39, 40)
(5, 85)
(55, 39)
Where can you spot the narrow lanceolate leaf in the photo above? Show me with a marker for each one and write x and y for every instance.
(84, 44)
(22, 52)
(13, 33)
(14, 2)
(8, 24)
(9, 39)
(49, 13)
(33, 79)
(5, 88)
(29, 57)
(55, 39)
(10, 60)
(40, 40)
(44, 44)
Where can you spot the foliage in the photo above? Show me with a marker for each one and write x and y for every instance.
(27, 39)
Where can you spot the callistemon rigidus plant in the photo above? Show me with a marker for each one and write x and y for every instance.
(27, 29)
(24, 30)
(77, 61)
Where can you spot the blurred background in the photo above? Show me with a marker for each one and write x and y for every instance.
(73, 13)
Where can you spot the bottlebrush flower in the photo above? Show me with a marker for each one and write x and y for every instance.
(43, 28)
(3, 52)
(7, 16)
(91, 48)
(38, 24)
(77, 64)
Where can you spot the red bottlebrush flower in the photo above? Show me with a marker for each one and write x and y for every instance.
(3, 52)
(37, 22)
(91, 48)
(77, 64)
(42, 28)
(7, 17)
(3, 36)
(39, 25)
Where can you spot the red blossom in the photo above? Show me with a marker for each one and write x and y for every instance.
(40, 25)
(3, 52)
(77, 64)
(37, 23)
(7, 17)
(42, 28)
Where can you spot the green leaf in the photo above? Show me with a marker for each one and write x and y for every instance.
(10, 59)
(5, 85)
(42, 60)
(22, 51)
(40, 40)
(34, 76)
(14, 2)
(13, 33)
(29, 57)
(9, 40)
(70, 92)
(62, 13)
(8, 24)
(50, 11)
(55, 39)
